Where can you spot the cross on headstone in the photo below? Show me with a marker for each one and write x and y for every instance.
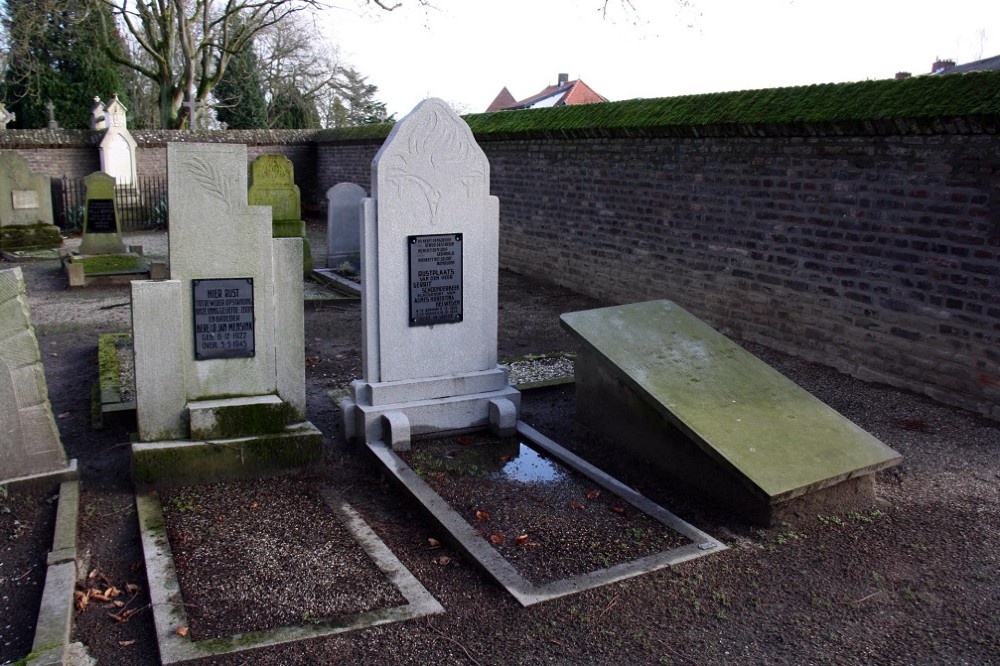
(6, 116)
(51, 108)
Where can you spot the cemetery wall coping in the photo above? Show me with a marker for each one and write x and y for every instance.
(63, 138)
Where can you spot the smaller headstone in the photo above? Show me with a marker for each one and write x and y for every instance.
(343, 227)
(25, 207)
(98, 120)
(192, 106)
(273, 184)
(6, 117)
(101, 223)
(29, 439)
(118, 148)
(51, 108)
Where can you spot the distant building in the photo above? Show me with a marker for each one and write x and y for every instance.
(563, 93)
(949, 67)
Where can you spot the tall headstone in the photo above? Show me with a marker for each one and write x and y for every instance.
(273, 184)
(102, 231)
(429, 288)
(29, 439)
(51, 108)
(343, 226)
(219, 349)
(25, 207)
(118, 146)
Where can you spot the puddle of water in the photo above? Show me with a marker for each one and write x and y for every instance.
(529, 466)
(501, 460)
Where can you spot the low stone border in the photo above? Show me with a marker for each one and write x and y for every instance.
(331, 278)
(168, 606)
(108, 402)
(531, 371)
(527, 593)
(55, 615)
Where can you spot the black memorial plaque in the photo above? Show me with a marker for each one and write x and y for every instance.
(223, 318)
(435, 279)
(101, 216)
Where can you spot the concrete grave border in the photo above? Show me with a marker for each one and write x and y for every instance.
(526, 592)
(168, 607)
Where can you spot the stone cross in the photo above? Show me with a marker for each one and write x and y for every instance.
(6, 116)
(192, 105)
(51, 108)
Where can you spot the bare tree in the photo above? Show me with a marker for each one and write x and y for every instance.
(190, 42)
(295, 56)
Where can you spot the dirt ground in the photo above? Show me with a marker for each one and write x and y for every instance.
(912, 581)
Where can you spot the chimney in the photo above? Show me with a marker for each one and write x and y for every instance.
(941, 64)
(902, 75)
(563, 79)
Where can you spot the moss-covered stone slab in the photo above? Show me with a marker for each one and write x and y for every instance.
(748, 424)
(29, 237)
(184, 462)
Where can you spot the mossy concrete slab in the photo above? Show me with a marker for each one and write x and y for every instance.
(754, 424)
(185, 462)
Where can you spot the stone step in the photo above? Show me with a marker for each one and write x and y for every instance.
(237, 417)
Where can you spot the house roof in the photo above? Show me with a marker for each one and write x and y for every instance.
(502, 101)
(977, 66)
(564, 93)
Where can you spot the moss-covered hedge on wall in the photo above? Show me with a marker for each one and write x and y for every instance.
(913, 104)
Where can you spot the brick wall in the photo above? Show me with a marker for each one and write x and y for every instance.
(878, 255)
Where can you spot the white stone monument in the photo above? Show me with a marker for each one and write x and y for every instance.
(343, 226)
(429, 272)
(98, 119)
(29, 439)
(118, 146)
(219, 349)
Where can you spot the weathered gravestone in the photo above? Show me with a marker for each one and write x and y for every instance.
(118, 147)
(25, 207)
(102, 230)
(343, 227)
(273, 184)
(29, 439)
(429, 288)
(219, 349)
(669, 387)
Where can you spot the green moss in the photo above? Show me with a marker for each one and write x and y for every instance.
(107, 359)
(112, 263)
(29, 237)
(212, 462)
(244, 420)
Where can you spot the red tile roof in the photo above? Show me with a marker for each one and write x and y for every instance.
(568, 93)
(502, 101)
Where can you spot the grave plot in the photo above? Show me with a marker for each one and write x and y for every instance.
(539, 520)
(294, 560)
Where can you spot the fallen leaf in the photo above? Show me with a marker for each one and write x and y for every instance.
(92, 574)
(125, 643)
(63, 415)
(482, 515)
(181, 631)
(112, 592)
(433, 543)
(593, 494)
(118, 603)
(465, 441)
(443, 560)
(255, 505)
(116, 618)
(496, 539)
(218, 519)
(575, 505)
(618, 509)
(97, 594)
(132, 587)
(81, 600)
(505, 458)
(521, 539)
